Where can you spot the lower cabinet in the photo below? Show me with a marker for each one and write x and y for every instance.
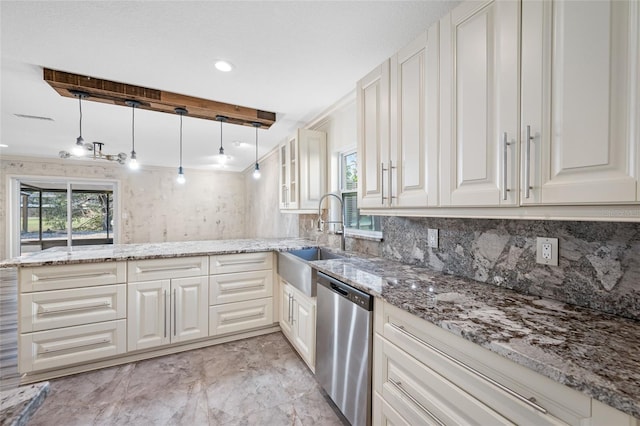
(167, 311)
(423, 374)
(298, 321)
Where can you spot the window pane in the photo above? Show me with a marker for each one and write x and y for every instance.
(90, 217)
(349, 172)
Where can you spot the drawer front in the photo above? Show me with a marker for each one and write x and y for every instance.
(43, 278)
(240, 316)
(64, 308)
(72, 345)
(385, 415)
(489, 377)
(228, 288)
(425, 397)
(241, 262)
(162, 269)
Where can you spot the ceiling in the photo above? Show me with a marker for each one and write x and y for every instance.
(294, 58)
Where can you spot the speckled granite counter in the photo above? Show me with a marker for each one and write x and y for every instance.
(115, 252)
(596, 353)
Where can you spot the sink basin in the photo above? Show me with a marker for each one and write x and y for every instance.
(294, 269)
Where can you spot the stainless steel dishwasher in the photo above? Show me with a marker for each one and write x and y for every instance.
(343, 347)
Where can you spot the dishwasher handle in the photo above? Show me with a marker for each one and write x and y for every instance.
(339, 290)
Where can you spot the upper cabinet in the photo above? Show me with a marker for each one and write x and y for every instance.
(398, 128)
(303, 170)
(507, 104)
(580, 94)
(479, 114)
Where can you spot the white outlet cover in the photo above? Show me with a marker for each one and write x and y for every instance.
(541, 256)
(432, 238)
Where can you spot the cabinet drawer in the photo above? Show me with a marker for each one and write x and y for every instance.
(42, 278)
(72, 345)
(385, 415)
(241, 262)
(240, 316)
(227, 288)
(162, 269)
(64, 308)
(422, 395)
(489, 377)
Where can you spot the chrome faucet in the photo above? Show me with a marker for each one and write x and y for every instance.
(320, 222)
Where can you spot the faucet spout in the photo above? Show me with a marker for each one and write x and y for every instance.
(342, 212)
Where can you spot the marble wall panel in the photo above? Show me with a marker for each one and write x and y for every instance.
(599, 262)
(154, 207)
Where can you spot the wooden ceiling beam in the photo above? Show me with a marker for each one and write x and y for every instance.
(114, 93)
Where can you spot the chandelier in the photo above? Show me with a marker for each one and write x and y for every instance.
(96, 147)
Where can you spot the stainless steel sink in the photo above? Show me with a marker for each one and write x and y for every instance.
(294, 269)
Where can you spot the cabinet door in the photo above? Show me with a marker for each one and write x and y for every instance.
(304, 324)
(479, 92)
(189, 308)
(414, 122)
(283, 176)
(372, 94)
(293, 173)
(147, 314)
(580, 97)
(286, 309)
(312, 147)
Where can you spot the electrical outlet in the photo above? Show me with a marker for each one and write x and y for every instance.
(547, 251)
(432, 238)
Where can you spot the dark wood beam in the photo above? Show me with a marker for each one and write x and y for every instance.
(114, 93)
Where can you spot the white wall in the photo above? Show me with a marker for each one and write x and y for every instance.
(154, 207)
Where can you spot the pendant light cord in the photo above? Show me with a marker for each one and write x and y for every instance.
(221, 148)
(256, 144)
(181, 139)
(133, 129)
(80, 105)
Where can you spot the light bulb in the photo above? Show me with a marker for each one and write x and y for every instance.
(180, 179)
(133, 164)
(222, 159)
(78, 150)
(256, 172)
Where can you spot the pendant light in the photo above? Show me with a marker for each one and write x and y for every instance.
(79, 149)
(222, 158)
(256, 171)
(180, 179)
(133, 161)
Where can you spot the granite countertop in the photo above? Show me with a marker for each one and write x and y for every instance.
(592, 352)
(116, 252)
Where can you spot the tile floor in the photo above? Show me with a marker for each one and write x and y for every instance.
(257, 381)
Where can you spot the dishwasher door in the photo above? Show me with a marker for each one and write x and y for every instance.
(343, 347)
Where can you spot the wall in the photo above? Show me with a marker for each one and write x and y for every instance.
(154, 207)
(263, 217)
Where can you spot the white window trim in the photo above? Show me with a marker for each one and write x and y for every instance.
(13, 206)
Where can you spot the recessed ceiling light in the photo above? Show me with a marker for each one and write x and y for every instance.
(223, 66)
(3, 145)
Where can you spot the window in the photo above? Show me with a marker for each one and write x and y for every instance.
(355, 223)
(62, 213)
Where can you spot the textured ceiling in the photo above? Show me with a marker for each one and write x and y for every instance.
(295, 58)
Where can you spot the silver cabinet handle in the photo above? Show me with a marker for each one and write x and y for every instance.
(529, 401)
(382, 170)
(175, 312)
(290, 308)
(293, 300)
(165, 314)
(527, 163)
(410, 397)
(505, 145)
(391, 168)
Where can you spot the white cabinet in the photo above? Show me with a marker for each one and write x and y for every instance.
(70, 314)
(167, 311)
(423, 374)
(298, 321)
(240, 301)
(479, 98)
(303, 170)
(170, 305)
(580, 100)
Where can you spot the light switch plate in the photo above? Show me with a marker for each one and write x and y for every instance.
(547, 251)
(432, 238)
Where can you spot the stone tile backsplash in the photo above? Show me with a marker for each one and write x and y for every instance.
(599, 262)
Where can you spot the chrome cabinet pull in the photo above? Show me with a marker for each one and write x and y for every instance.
(527, 163)
(505, 145)
(410, 397)
(391, 168)
(165, 314)
(175, 312)
(382, 170)
(529, 401)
